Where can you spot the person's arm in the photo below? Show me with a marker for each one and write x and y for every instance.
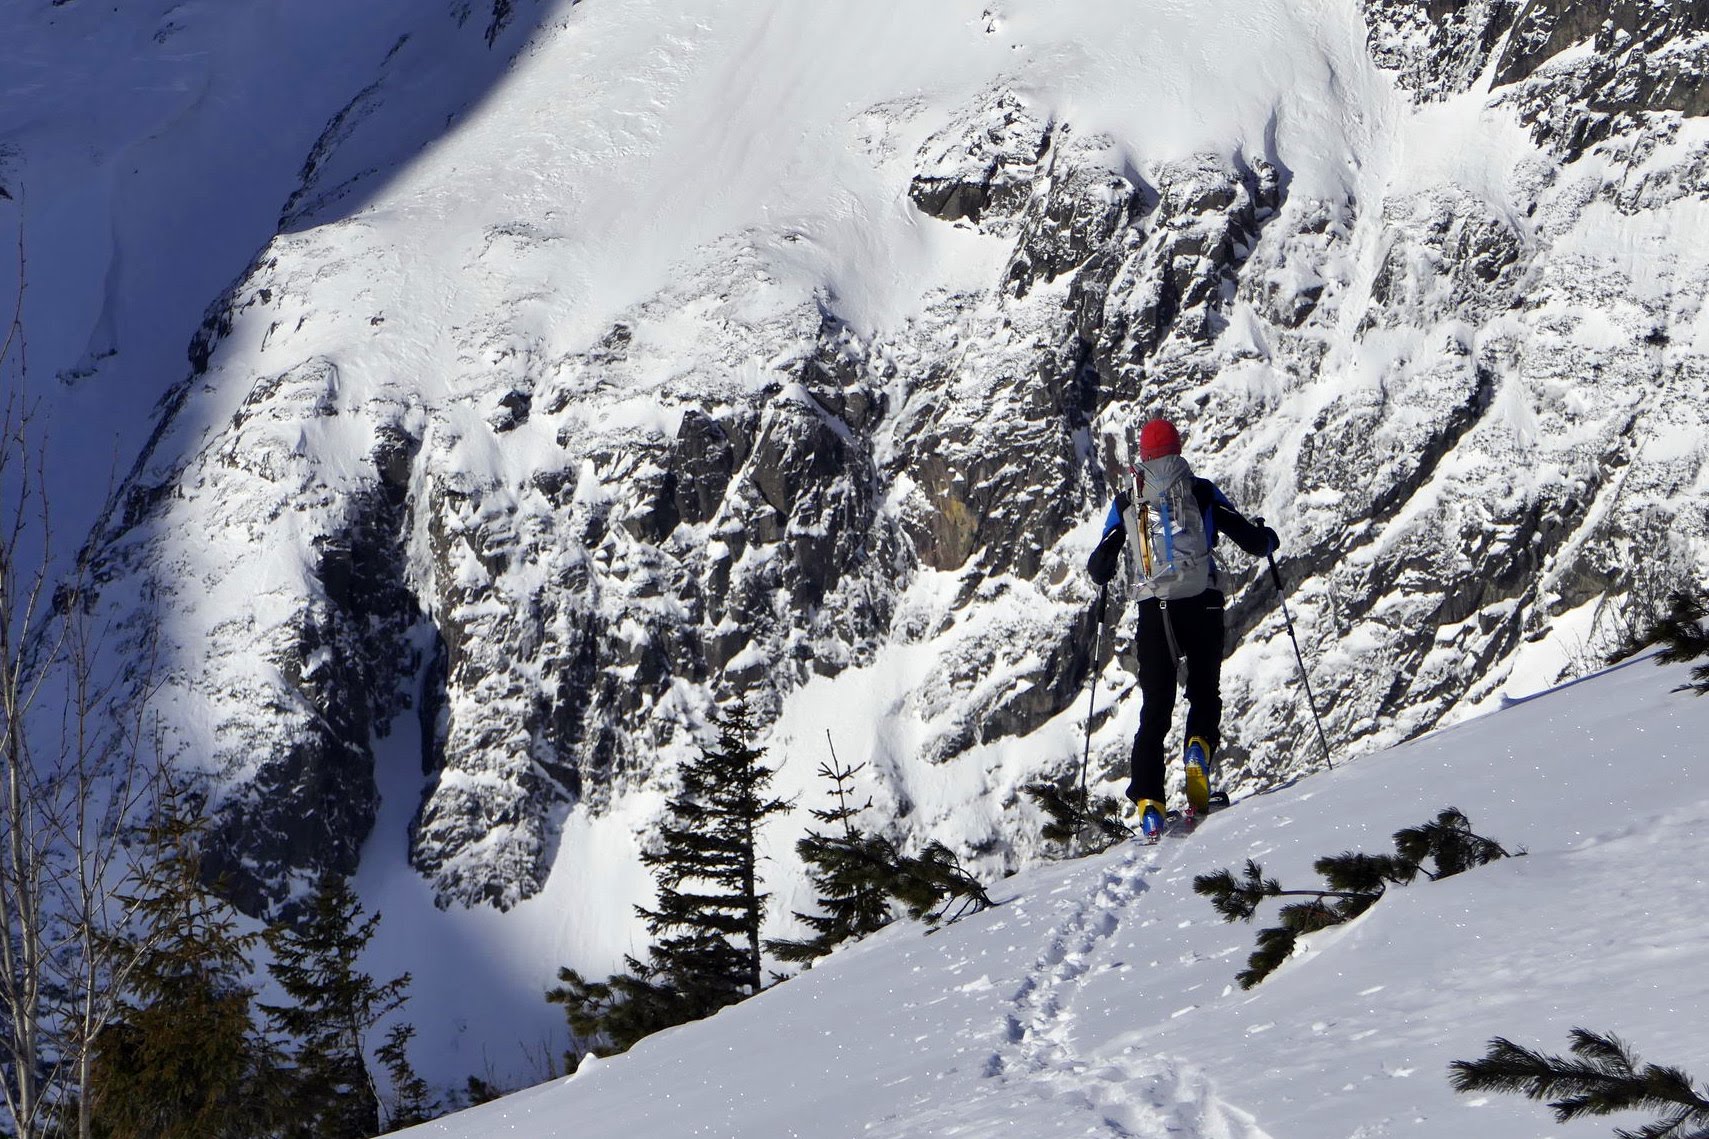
(1249, 534)
(1107, 555)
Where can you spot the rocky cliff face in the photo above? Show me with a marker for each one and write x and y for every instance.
(1579, 73)
(1469, 419)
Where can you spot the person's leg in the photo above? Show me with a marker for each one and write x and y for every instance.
(1157, 692)
(1198, 627)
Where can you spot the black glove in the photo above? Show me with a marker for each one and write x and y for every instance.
(1272, 541)
(1102, 564)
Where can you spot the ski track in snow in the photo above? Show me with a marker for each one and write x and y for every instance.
(1133, 1095)
(1099, 998)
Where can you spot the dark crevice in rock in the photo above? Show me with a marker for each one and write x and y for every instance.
(313, 801)
(1438, 446)
(431, 710)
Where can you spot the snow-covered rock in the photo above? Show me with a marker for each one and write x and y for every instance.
(734, 351)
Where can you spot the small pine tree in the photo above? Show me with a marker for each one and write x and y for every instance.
(1683, 634)
(611, 1016)
(710, 956)
(711, 840)
(411, 1101)
(1603, 1077)
(847, 879)
(477, 1091)
(183, 1060)
(1353, 882)
(333, 1008)
(1070, 820)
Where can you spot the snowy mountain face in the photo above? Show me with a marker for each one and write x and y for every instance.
(791, 353)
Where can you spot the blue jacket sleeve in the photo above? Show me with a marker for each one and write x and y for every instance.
(1113, 520)
(1102, 564)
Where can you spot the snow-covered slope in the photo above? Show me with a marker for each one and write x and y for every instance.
(1098, 999)
(148, 152)
(610, 361)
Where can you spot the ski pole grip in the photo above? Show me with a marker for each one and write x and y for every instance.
(1275, 573)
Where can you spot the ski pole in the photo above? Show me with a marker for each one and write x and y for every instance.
(1091, 700)
(1305, 679)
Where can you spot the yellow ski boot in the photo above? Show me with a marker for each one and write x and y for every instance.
(1198, 762)
(1151, 817)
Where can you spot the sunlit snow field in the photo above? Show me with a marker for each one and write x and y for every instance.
(1098, 998)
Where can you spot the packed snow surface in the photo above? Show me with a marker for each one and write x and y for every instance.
(1098, 998)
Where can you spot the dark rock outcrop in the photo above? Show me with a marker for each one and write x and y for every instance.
(1642, 58)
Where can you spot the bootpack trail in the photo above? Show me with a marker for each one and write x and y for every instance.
(1099, 999)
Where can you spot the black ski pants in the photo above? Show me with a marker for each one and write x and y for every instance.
(1197, 625)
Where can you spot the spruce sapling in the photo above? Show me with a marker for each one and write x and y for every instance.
(1068, 820)
(183, 1060)
(331, 1007)
(846, 871)
(1684, 636)
(710, 904)
(412, 1101)
(709, 909)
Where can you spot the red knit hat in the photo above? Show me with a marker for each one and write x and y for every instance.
(1158, 438)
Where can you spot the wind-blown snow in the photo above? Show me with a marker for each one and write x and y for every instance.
(1098, 999)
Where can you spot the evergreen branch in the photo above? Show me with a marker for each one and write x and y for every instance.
(1361, 876)
(1449, 842)
(935, 878)
(1275, 946)
(1683, 634)
(1309, 917)
(1069, 819)
(1603, 1077)
(1237, 900)
(1355, 882)
(1680, 632)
